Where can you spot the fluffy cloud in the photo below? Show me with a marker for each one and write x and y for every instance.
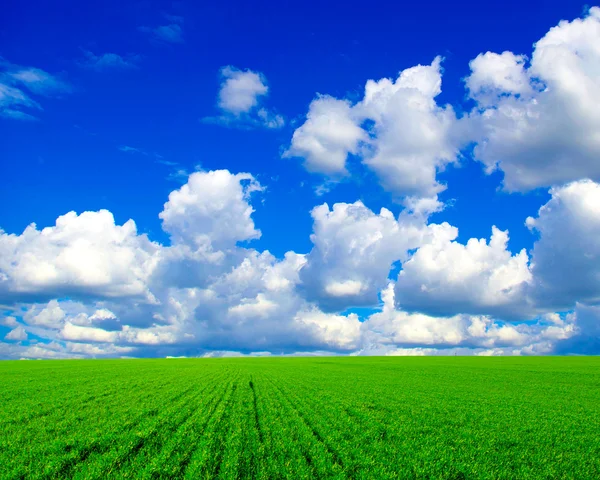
(398, 130)
(211, 210)
(207, 293)
(240, 90)
(445, 277)
(539, 123)
(494, 75)
(566, 258)
(413, 136)
(9, 321)
(586, 332)
(16, 81)
(354, 249)
(240, 100)
(86, 254)
(331, 132)
(393, 329)
(16, 334)
(51, 316)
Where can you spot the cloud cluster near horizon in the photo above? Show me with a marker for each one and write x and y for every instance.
(87, 286)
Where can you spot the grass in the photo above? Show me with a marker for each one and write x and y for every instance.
(364, 418)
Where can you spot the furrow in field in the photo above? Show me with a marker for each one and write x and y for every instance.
(233, 463)
(344, 434)
(174, 458)
(320, 457)
(114, 435)
(63, 443)
(206, 459)
(277, 455)
(98, 445)
(149, 437)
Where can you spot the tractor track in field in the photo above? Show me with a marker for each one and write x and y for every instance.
(256, 416)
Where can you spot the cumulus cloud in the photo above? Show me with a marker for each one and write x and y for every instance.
(16, 334)
(537, 122)
(51, 316)
(398, 130)
(331, 132)
(445, 277)
(90, 287)
(240, 90)
(566, 258)
(585, 340)
(394, 331)
(18, 84)
(494, 75)
(9, 321)
(240, 100)
(212, 210)
(82, 254)
(353, 251)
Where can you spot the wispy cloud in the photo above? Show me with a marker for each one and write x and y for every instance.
(178, 172)
(169, 33)
(108, 61)
(240, 96)
(128, 149)
(18, 84)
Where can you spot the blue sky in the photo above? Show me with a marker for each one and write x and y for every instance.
(116, 107)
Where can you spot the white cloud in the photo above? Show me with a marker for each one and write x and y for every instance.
(12, 99)
(493, 75)
(82, 254)
(205, 292)
(16, 80)
(51, 316)
(393, 329)
(585, 338)
(331, 132)
(9, 321)
(539, 124)
(566, 258)
(108, 61)
(334, 331)
(353, 251)
(211, 210)
(87, 334)
(36, 80)
(398, 130)
(445, 277)
(16, 334)
(240, 99)
(240, 90)
(413, 136)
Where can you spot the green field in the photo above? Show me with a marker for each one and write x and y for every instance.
(444, 417)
